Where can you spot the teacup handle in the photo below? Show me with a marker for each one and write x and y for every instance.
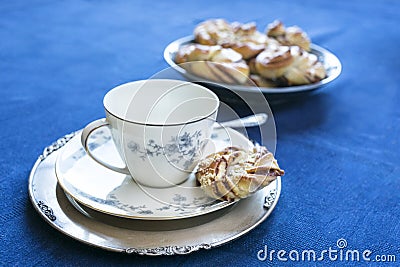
(87, 131)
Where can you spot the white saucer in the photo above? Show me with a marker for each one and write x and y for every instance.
(106, 191)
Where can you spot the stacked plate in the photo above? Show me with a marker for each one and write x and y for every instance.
(100, 207)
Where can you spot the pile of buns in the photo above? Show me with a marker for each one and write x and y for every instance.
(236, 173)
(236, 53)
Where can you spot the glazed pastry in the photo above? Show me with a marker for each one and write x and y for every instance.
(230, 73)
(213, 32)
(237, 53)
(248, 41)
(248, 33)
(252, 65)
(214, 63)
(195, 52)
(288, 36)
(289, 66)
(243, 38)
(273, 63)
(275, 29)
(247, 50)
(305, 68)
(262, 82)
(236, 173)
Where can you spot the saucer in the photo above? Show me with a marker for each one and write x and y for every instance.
(143, 225)
(113, 193)
(50, 202)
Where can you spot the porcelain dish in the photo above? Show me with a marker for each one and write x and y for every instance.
(330, 61)
(51, 203)
(110, 192)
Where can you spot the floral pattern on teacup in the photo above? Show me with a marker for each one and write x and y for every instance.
(182, 149)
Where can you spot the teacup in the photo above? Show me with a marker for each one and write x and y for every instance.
(159, 127)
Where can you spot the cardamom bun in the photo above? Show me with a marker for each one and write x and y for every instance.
(289, 65)
(289, 36)
(236, 173)
(214, 63)
(243, 38)
(237, 53)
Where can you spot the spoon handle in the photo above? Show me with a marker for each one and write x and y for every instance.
(249, 121)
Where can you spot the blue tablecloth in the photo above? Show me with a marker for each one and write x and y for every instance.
(339, 146)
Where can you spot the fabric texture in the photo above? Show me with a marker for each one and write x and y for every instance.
(339, 145)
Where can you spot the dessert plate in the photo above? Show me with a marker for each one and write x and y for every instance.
(330, 61)
(52, 205)
(113, 193)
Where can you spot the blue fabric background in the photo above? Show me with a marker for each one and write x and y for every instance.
(339, 146)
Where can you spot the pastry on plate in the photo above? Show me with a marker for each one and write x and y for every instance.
(237, 53)
(289, 65)
(236, 173)
(243, 38)
(289, 36)
(214, 63)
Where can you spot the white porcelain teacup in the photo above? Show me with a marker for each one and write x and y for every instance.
(159, 127)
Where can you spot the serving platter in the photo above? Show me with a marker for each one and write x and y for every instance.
(329, 60)
(51, 203)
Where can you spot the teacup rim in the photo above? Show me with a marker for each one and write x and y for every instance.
(163, 125)
(215, 97)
